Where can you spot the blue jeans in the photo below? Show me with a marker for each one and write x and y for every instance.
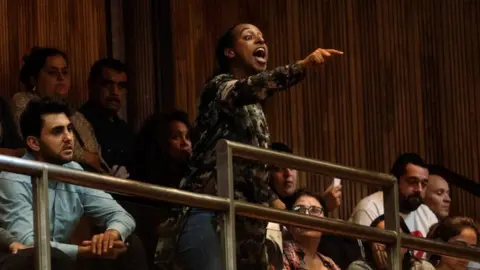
(199, 244)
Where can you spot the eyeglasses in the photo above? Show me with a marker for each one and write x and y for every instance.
(311, 210)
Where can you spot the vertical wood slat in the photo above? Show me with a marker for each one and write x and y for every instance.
(404, 84)
(140, 59)
(77, 27)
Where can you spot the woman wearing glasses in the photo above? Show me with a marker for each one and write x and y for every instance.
(301, 251)
(460, 231)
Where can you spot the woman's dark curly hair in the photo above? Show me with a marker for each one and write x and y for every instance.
(34, 62)
(151, 159)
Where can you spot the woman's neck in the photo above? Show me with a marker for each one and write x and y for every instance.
(309, 245)
(240, 71)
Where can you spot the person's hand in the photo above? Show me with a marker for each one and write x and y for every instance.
(380, 256)
(85, 250)
(16, 246)
(119, 247)
(120, 172)
(318, 57)
(333, 197)
(278, 204)
(103, 242)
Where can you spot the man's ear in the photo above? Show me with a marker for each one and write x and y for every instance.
(33, 143)
(229, 53)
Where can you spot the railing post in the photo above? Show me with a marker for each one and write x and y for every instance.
(225, 189)
(392, 222)
(41, 221)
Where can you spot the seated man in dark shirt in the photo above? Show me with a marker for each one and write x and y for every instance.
(108, 83)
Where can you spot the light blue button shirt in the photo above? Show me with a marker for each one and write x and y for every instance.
(67, 203)
(473, 265)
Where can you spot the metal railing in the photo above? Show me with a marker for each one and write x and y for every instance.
(226, 150)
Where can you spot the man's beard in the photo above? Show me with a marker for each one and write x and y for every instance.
(410, 203)
(50, 156)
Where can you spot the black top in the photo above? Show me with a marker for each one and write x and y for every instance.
(114, 135)
(9, 137)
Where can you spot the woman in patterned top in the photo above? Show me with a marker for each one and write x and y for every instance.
(45, 73)
(229, 108)
(301, 252)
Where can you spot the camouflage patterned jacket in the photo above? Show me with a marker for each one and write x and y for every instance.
(230, 109)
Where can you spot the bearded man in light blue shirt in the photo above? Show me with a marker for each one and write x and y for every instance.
(48, 135)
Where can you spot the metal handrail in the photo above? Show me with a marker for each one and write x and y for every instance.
(41, 172)
(300, 163)
(225, 152)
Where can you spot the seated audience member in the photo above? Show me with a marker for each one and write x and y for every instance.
(10, 142)
(161, 155)
(108, 84)
(412, 176)
(284, 183)
(461, 231)
(45, 73)
(14, 255)
(437, 193)
(301, 251)
(375, 256)
(47, 132)
(162, 149)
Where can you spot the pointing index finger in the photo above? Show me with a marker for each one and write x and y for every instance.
(333, 51)
(325, 52)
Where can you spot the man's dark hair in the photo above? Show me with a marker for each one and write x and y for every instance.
(398, 168)
(31, 121)
(280, 147)
(96, 71)
(440, 171)
(304, 192)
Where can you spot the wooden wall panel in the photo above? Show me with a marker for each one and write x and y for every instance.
(140, 60)
(409, 79)
(77, 27)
